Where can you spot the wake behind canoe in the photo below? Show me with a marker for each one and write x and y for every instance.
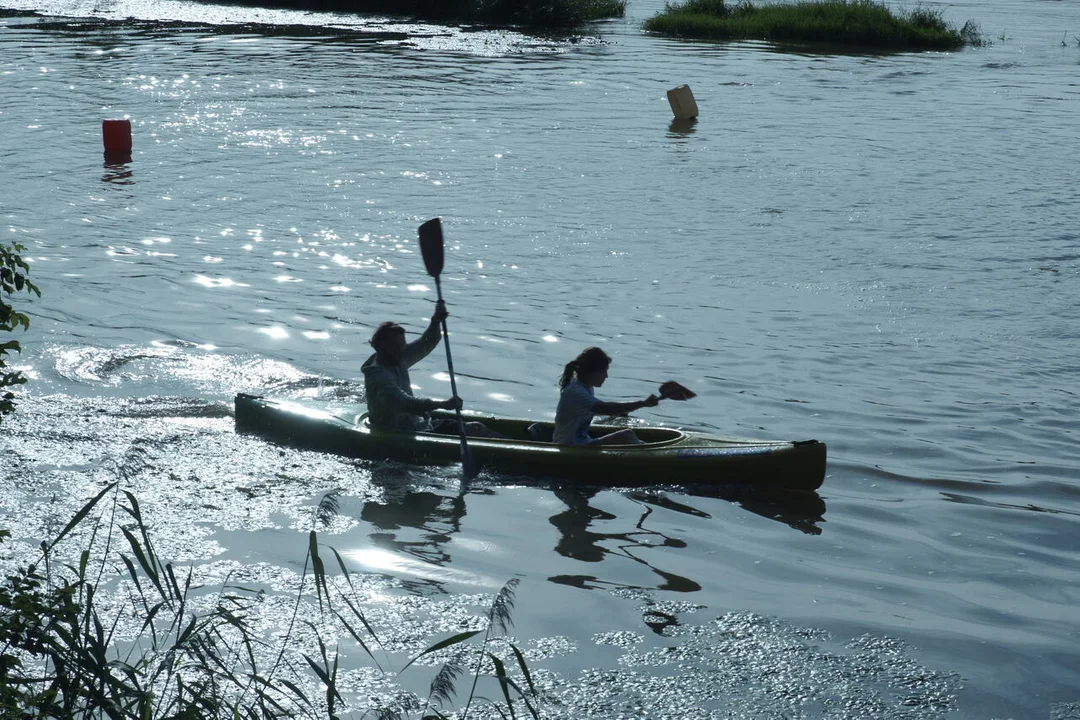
(668, 456)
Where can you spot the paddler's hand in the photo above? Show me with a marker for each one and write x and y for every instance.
(651, 401)
(453, 403)
(440, 314)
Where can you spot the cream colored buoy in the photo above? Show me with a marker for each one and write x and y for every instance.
(682, 103)
(117, 135)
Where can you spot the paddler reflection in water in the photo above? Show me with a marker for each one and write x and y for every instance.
(391, 403)
(578, 404)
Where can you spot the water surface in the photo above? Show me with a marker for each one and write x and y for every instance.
(878, 251)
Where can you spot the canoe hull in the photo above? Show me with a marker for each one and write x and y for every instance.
(668, 456)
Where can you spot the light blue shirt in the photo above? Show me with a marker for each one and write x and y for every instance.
(574, 414)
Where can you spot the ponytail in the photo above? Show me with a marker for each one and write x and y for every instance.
(568, 374)
(590, 360)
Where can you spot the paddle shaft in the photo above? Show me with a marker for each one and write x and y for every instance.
(466, 456)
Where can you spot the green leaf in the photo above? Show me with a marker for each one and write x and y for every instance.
(147, 568)
(318, 568)
(453, 640)
(357, 637)
(330, 685)
(500, 674)
(78, 517)
(524, 667)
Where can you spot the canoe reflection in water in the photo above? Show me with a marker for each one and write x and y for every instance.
(412, 531)
(577, 542)
(800, 511)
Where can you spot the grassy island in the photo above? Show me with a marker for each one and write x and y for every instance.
(854, 23)
(521, 13)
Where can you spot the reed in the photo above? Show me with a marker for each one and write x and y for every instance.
(852, 23)
(66, 647)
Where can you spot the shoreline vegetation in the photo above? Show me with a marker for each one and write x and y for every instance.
(536, 14)
(14, 278)
(852, 23)
(115, 631)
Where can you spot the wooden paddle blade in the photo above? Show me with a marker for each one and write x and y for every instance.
(672, 390)
(431, 246)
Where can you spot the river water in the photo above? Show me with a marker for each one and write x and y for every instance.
(878, 251)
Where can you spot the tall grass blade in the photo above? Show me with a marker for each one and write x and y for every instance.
(523, 667)
(175, 587)
(317, 569)
(79, 516)
(134, 577)
(360, 616)
(324, 675)
(357, 638)
(185, 634)
(344, 570)
(504, 682)
(453, 640)
(149, 570)
(331, 691)
(295, 691)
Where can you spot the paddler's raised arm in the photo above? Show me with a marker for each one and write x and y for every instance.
(420, 348)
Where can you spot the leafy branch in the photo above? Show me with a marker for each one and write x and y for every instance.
(14, 273)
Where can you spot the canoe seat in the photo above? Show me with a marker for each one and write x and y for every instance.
(539, 432)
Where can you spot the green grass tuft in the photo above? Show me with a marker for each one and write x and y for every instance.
(854, 23)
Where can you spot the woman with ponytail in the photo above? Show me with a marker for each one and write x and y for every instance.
(578, 404)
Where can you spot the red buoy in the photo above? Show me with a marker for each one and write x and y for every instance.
(117, 135)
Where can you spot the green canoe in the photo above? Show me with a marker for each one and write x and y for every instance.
(668, 456)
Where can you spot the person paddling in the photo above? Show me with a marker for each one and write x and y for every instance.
(578, 404)
(390, 400)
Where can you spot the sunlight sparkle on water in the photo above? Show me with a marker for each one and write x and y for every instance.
(219, 282)
(388, 562)
(28, 372)
(277, 333)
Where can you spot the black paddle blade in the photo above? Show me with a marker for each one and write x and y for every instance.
(431, 246)
(672, 390)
